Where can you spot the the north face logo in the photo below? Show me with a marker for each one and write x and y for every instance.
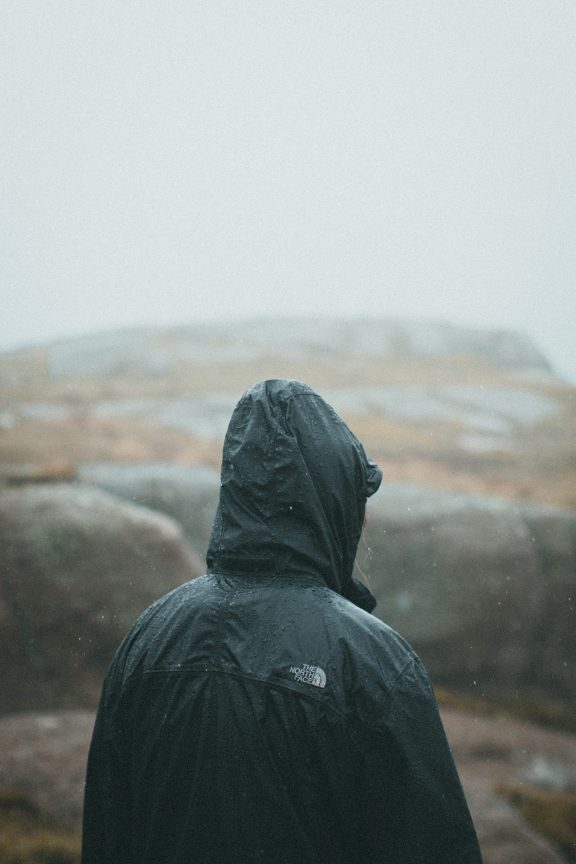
(309, 675)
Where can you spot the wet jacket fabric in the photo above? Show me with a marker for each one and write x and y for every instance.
(260, 713)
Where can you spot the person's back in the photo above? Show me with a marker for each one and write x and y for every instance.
(256, 714)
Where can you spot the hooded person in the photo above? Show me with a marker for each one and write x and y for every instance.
(260, 713)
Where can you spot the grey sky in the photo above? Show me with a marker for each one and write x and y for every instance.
(177, 161)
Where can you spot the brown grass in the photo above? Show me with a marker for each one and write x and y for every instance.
(552, 814)
(540, 713)
(26, 838)
(130, 440)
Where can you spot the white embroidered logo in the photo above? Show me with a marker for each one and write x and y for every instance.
(309, 675)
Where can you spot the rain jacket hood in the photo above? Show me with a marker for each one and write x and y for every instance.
(293, 490)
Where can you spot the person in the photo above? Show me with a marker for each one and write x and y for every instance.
(260, 713)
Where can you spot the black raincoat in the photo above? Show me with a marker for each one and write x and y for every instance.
(260, 713)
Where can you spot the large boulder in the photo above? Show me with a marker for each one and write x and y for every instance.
(77, 566)
(188, 494)
(43, 756)
(484, 588)
(553, 536)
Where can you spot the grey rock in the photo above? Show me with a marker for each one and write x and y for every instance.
(420, 339)
(484, 588)
(44, 411)
(552, 534)
(515, 405)
(499, 751)
(495, 412)
(77, 567)
(411, 402)
(135, 353)
(206, 416)
(139, 353)
(187, 494)
(7, 419)
(483, 409)
(203, 416)
(43, 755)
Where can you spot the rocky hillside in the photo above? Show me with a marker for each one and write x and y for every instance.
(437, 404)
(109, 455)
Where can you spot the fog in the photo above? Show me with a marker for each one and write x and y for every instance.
(184, 161)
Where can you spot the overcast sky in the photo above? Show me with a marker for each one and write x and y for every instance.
(178, 160)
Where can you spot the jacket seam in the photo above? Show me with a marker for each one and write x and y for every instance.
(411, 662)
(275, 685)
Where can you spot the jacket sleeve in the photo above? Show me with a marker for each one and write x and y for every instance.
(106, 821)
(414, 800)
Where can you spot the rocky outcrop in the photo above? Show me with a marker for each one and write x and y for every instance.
(187, 494)
(484, 588)
(138, 353)
(44, 757)
(487, 419)
(553, 536)
(463, 409)
(77, 567)
(498, 752)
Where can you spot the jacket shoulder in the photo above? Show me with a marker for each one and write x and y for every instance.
(149, 628)
(371, 655)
